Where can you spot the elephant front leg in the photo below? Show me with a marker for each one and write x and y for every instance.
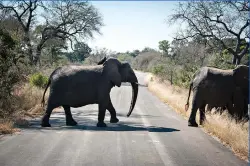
(112, 111)
(69, 119)
(101, 116)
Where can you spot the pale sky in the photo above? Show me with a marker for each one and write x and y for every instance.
(133, 25)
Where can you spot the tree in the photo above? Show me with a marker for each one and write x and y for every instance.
(164, 47)
(82, 51)
(216, 21)
(53, 49)
(70, 21)
(11, 71)
(147, 49)
(24, 12)
(98, 54)
(136, 53)
(133, 53)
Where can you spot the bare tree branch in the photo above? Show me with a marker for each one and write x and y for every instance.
(214, 21)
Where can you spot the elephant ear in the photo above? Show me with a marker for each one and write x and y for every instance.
(112, 71)
(102, 61)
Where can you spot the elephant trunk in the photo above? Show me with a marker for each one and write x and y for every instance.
(134, 96)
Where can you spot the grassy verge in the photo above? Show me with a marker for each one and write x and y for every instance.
(227, 131)
(27, 104)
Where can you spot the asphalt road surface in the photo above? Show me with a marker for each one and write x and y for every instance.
(153, 135)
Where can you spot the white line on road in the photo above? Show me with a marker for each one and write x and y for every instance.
(158, 145)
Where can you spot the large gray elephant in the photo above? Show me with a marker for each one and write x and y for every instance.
(76, 86)
(215, 87)
(238, 110)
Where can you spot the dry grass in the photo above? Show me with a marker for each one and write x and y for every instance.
(27, 104)
(29, 98)
(228, 131)
(7, 127)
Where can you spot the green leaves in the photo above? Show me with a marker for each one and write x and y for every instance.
(164, 47)
(38, 80)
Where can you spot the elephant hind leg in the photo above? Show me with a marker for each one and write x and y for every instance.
(69, 119)
(202, 114)
(45, 119)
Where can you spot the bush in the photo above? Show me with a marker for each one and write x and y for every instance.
(10, 72)
(158, 69)
(221, 61)
(38, 80)
(125, 58)
(146, 61)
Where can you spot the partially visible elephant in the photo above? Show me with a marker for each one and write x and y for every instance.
(215, 87)
(76, 86)
(239, 110)
(217, 109)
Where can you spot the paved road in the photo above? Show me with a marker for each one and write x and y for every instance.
(152, 135)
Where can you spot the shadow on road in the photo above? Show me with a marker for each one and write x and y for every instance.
(88, 123)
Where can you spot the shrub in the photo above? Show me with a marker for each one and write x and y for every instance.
(125, 58)
(38, 80)
(146, 61)
(10, 71)
(158, 69)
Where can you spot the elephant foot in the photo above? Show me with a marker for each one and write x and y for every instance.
(202, 122)
(114, 120)
(43, 124)
(192, 124)
(71, 122)
(101, 124)
(45, 121)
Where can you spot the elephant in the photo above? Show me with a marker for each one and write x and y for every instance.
(76, 86)
(238, 110)
(215, 87)
(217, 109)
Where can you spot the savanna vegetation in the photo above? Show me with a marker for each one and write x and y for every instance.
(38, 36)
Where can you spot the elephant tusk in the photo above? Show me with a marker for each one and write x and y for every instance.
(134, 97)
(141, 84)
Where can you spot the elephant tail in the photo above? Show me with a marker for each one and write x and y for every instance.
(43, 101)
(190, 88)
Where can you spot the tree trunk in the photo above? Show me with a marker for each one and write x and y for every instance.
(171, 77)
(38, 54)
(39, 51)
(238, 61)
(30, 51)
(234, 60)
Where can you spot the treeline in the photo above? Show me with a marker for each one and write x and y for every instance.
(180, 61)
(37, 36)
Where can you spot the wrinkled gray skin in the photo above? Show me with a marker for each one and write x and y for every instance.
(218, 109)
(238, 101)
(215, 87)
(76, 86)
(239, 111)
